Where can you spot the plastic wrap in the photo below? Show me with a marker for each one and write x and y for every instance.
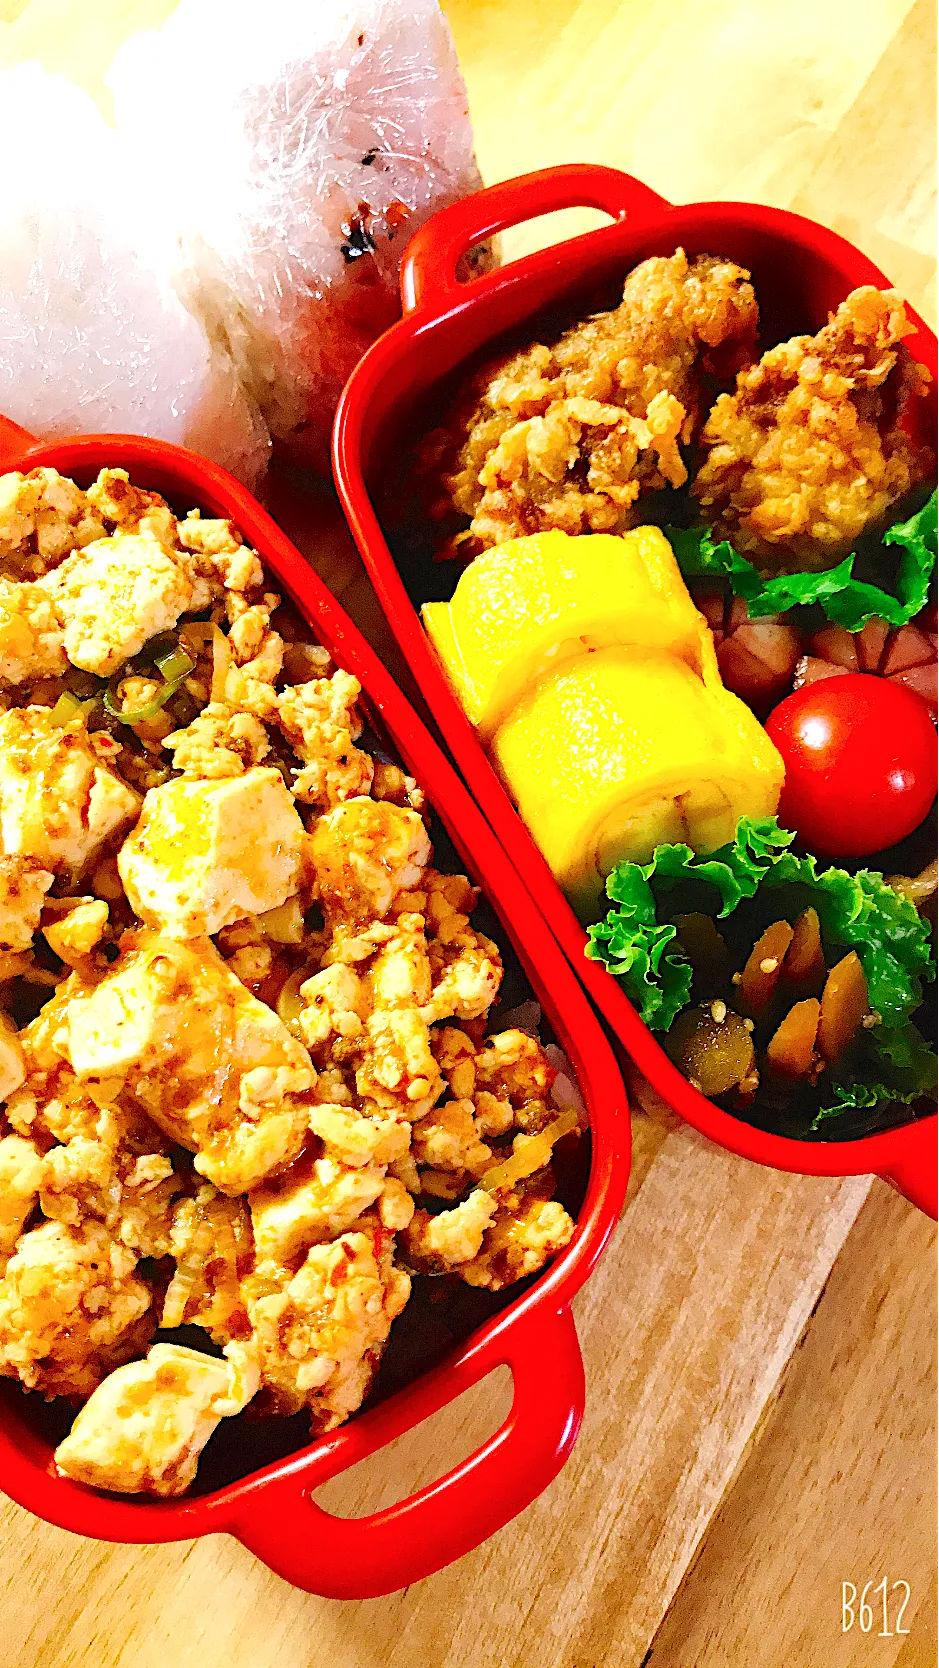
(300, 146)
(93, 336)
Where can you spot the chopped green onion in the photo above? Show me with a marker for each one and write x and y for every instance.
(175, 664)
(164, 652)
(69, 706)
(142, 714)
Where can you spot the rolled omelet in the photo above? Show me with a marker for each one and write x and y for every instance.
(530, 606)
(626, 748)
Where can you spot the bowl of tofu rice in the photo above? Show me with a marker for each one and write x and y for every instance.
(257, 1098)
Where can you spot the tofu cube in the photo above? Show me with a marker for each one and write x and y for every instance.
(31, 643)
(12, 1065)
(143, 1429)
(205, 854)
(21, 1170)
(318, 1205)
(58, 802)
(75, 934)
(116, 594)
(207, 1061)
(23, 886)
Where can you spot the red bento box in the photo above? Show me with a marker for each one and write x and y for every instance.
(802, 271)
(269, 1506)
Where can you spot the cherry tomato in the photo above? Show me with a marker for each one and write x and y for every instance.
(860, 757)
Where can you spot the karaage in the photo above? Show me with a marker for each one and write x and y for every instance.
(810, 450)
(569, 435)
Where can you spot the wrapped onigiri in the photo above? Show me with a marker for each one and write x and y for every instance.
(300, 145)
(93, 336)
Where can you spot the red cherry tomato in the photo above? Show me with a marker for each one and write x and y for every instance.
(860, 757)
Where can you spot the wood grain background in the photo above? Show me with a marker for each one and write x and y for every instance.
(760, 1349)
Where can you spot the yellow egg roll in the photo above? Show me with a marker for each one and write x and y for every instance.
(624, 749)
(531, 605)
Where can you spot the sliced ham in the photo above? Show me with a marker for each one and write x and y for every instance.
(762, 659)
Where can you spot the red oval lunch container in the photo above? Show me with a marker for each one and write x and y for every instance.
(269, 1507)
(801, 271)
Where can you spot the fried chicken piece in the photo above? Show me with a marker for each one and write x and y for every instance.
(570, 435)
(809, 451)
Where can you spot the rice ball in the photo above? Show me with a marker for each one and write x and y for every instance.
(313, 141)
(93, 336)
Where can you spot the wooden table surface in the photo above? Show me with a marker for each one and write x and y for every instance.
(760, 1349)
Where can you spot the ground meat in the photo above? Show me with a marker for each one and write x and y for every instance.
(71, 1308)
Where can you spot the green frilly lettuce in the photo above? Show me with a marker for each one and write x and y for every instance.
(843, 599)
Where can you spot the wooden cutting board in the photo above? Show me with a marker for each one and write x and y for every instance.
(759, 1348)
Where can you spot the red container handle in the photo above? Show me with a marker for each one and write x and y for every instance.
(429, 269)
(913, 1169)
(365, 1557)
(14, 444)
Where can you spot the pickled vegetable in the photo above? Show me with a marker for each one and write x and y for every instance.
(713, 1046)
(918, 888)
(844, 1005)
(804, 965)
(792, 1050)
(705, 949)
(761, 975)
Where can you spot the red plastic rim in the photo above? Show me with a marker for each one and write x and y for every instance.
(803, 270)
